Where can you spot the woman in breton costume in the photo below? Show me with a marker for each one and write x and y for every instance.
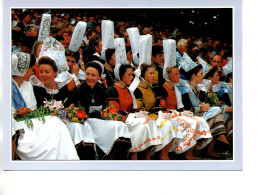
(45, 141)
(193, 127)
(143, 132)
(145, 97)
(56, 85)
(146, 101)
(224, 88)
(108, 51)
(112, 137)
(72, 53)
(190, 96)
(134, 35)
(43, 33)
(212, 85)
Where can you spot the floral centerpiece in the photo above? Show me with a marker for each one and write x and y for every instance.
(73, 114)
(212, 99)
(70, 114)
(111, 113)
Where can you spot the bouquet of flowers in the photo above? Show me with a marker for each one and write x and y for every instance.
(38, 113)
(55, 106)
(212, 99)
(111, 113)
(73, 114)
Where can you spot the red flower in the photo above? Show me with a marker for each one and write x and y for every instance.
(81, 114)
(112, 110)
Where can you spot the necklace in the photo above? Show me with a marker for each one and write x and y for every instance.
(93, 98)
(51, 92)
(92, 95)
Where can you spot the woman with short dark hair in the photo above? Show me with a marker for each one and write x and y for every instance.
(112, 137)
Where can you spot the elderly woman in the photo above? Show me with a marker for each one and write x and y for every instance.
(45, 141)
(194, 75)
(111, 136)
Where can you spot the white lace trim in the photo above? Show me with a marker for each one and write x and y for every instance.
(36, 82)
(77, 36)
(169, 48)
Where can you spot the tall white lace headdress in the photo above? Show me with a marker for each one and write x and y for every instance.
(145, 55)
(134, 35)
(44, 27)
(120, 54)
(187, 63)
(169, 47)
(204, 65)
(55, 50)
(77, 36)
(107, 35)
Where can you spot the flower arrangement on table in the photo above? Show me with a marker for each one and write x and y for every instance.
(70, 114)
(56, 108)
(212, 99)
(73, 114)
(111, 113)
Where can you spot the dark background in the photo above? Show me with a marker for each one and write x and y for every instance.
(206, 22)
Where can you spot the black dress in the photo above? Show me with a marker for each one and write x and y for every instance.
(93, 100)
(110, 77)
(63, 93)
(83, 94)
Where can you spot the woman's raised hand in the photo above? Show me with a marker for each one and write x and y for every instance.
(75, 69)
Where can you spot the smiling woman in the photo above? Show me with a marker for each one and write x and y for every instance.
(111, 137)
(47, 72)
(50, 89)
(45, 141)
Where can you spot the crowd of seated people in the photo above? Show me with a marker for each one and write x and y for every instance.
(171, 94)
